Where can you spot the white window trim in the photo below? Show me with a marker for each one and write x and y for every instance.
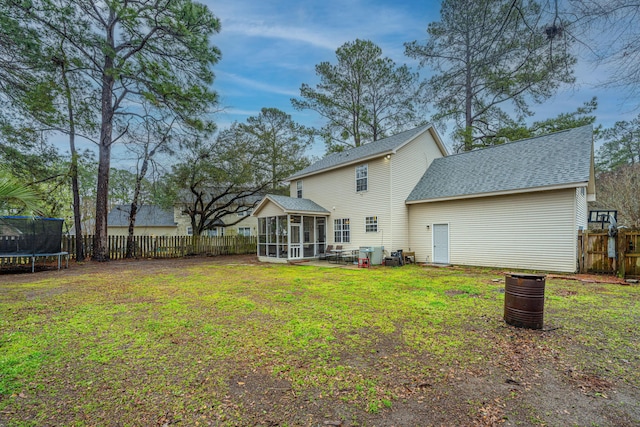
(373, 223)
(364, 167)
(342, 230)
(299, 189)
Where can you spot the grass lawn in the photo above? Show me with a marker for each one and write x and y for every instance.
(229, 342)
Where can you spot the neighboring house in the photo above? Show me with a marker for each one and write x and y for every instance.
(516, 205)
(235, 223)
(152, 220)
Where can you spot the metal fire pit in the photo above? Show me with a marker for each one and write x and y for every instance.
(524, 300)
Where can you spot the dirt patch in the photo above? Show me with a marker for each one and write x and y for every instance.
(566, 293)
(22, 273)
(590, 278)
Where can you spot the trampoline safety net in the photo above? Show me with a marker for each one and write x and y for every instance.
(21, 235)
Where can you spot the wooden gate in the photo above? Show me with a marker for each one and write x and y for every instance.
(629, 253)
(593, 254)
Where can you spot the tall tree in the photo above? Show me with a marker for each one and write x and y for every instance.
(79, 116)
(156, 51)
(214, 180)
(363, 97)
(154, 137)
(621, 145)
(486, 54)
(42, 85)
(280, 143)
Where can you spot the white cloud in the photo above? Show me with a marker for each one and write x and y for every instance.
(295, 34)
(255, 84)
(328, 24)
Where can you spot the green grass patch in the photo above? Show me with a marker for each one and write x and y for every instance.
(146, 344)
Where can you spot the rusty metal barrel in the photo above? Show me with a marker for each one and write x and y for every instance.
(524, 300)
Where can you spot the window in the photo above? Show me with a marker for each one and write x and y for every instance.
(244, 231)
(371, 224)
(245, 213)
(216, 232)
(299, 189)
(362, 173)
(189, 231)
(341, 230)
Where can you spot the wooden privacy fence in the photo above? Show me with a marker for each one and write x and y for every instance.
(168, 246)
(593, 253)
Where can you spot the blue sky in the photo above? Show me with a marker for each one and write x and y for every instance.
(269, 48)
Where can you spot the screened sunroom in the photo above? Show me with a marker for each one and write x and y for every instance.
(290, 229)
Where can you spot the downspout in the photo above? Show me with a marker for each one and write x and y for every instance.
(390, 234)
(575, 228)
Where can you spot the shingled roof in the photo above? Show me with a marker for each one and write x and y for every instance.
(147, 216)
(292, 204)
(371, 150)
(558, 159)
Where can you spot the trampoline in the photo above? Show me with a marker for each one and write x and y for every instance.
(29, 237)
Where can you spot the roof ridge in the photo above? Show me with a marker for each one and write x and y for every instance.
(374, 148)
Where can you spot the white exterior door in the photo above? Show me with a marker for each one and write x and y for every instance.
(441, 243)
(295, 245)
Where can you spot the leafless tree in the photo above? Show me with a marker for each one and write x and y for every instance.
(619, 189)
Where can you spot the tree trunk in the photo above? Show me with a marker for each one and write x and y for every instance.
(133, 211)
(195, 236)
(77, 220)
(101, 239)
(468, 100)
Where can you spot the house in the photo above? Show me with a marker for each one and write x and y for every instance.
(353, 198)
(235, 211)
(517, 205)
(152, 220)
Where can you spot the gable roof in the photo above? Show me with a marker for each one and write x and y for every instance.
(291, 205)
(371, 150)
(558, 160)
(147, 216)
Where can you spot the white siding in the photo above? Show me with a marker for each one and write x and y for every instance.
(523, 231)
(581, 208)
(269, 209)
(336, 191)
(407, 167)
(390, 182)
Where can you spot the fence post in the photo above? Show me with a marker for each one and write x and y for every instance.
(621, 243)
